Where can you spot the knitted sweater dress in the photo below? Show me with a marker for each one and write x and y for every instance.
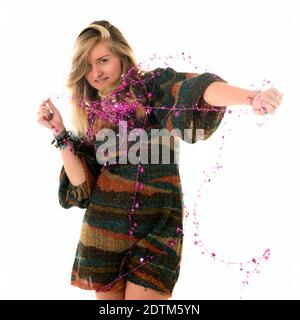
(107, 254)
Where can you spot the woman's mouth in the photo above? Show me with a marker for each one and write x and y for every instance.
(101, 80)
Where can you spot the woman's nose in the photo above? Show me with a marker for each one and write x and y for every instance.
(97, 71)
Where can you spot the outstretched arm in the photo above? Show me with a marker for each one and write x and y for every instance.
(223, 94)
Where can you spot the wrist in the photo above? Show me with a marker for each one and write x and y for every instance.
(251, 96)
(63, 133)
(58, 131)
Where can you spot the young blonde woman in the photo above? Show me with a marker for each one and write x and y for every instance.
(130, 245)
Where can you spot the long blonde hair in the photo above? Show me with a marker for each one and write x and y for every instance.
(77, 84)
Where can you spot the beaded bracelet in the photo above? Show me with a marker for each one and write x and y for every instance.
(62, 140)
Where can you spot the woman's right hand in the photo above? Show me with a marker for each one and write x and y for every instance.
(51, 120)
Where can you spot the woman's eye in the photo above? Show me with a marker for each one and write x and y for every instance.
(89, 66)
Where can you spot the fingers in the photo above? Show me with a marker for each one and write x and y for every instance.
(48, 112)
(259, 105)
(44, 122)
(276, 92)
(259, 111)
(44, 113)
(268, 101)
(44, 116)
(269, 105)
(51, 105)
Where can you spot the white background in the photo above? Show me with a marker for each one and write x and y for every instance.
(249, 205)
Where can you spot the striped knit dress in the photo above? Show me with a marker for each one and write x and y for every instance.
(107, 254)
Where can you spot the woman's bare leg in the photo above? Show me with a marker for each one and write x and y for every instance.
(117, 295)
(137, 292)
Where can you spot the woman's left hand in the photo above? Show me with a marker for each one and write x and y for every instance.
(266, 101)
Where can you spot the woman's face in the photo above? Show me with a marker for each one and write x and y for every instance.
(104, 68)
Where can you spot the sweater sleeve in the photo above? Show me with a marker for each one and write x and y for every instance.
(177, 98)
(79, 196)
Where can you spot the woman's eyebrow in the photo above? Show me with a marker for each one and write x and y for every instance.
(107, 55)
(103, 57)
